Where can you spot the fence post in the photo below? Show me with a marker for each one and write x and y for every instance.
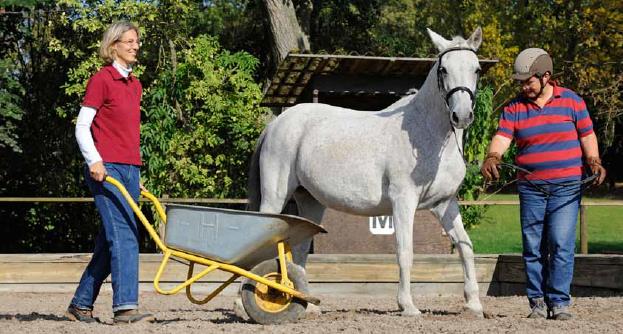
(583, 231)
(162, 225)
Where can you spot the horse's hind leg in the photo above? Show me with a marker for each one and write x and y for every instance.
(277, 184)
(450, 217)
(310, 208)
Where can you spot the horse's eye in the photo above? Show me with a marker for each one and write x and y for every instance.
(443, 70)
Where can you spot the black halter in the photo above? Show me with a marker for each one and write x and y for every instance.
(472, 94)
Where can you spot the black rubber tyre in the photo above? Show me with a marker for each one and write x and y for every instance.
(266, 305)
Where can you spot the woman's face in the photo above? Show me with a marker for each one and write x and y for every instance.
(126, 48)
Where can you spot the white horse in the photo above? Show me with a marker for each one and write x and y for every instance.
(393, 161)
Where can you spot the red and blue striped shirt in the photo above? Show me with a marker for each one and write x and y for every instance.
(548, 137)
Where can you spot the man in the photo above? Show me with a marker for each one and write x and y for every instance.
(554, 134)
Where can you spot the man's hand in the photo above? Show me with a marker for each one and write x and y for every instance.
(594, 163)
(490, 166)
(98, 171)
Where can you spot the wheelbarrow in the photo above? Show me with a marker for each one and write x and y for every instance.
(251, 245)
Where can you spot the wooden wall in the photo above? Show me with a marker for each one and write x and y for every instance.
(498, 275)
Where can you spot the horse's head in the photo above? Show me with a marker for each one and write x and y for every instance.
(458, 70)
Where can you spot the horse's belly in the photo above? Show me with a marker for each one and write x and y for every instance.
(346, 189)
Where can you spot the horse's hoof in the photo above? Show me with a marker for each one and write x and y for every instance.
(473, 312)
(410, 312)
(312, 311)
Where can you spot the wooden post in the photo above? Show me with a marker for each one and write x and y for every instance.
(315, 96)
(583, 231)
(161, 225)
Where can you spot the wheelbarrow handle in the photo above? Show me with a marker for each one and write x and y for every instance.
(150, 229)
(157, 205)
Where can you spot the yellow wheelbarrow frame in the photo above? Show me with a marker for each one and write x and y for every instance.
(283, 250)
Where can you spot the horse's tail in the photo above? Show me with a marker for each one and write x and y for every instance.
(254, 192)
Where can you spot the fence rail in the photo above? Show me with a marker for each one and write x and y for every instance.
(244, 201)
(583, 223)
(90, 199)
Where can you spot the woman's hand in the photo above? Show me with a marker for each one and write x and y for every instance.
(98, 171)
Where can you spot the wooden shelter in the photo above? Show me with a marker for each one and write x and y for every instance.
(357, 82)
(363, 83)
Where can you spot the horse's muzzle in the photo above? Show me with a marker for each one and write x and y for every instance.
(461, 121)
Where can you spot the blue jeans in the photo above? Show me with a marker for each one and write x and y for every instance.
(116, 246)
(548, 224)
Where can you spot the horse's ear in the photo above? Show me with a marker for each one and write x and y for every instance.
(439, 42)
(475, 39)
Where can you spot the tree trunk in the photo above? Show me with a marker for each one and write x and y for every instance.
(284, 29)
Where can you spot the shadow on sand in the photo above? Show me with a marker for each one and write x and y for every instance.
(34, 316)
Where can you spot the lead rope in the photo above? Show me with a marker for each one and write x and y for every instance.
(462, 152)
(459, 145)
(582, 183)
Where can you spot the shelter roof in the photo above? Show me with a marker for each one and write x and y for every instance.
(297, 71)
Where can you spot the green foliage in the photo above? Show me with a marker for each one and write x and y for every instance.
(401, 30)
(344, 25)
(11, 92)
(209, 107)
(475, 149)
(239, 24)
(47, 164)
(484, 125)
(584, 38)
(48, 53)
(591, 61)
(200, 103)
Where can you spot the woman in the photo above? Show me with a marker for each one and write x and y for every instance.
(107, 132)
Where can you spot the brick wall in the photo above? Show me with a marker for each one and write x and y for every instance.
(349, 234)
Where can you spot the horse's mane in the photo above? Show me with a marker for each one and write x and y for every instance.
(403, 101)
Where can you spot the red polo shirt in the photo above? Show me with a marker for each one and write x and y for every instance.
(116, 126)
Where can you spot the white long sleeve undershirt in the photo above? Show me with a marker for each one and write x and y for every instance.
(83, 126)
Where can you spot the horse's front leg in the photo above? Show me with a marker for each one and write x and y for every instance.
(403, 212)
(450, 217)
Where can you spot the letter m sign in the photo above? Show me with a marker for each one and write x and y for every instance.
(382, 225)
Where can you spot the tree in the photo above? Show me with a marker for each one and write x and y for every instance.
(52, 50)
(11, 92)
(206, 155)
(285, 30)
(338, 26)
(48, 51)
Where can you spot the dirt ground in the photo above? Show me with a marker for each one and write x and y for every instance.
(35, 313)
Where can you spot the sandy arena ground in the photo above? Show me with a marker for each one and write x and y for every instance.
(35, 313)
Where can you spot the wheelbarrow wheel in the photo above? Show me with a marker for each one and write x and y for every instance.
(266, 305)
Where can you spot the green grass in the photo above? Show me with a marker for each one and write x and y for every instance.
(500, 232)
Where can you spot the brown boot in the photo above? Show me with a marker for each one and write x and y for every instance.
(75, 314)
(132, 316)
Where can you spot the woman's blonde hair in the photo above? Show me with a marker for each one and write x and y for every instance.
(112, 35)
